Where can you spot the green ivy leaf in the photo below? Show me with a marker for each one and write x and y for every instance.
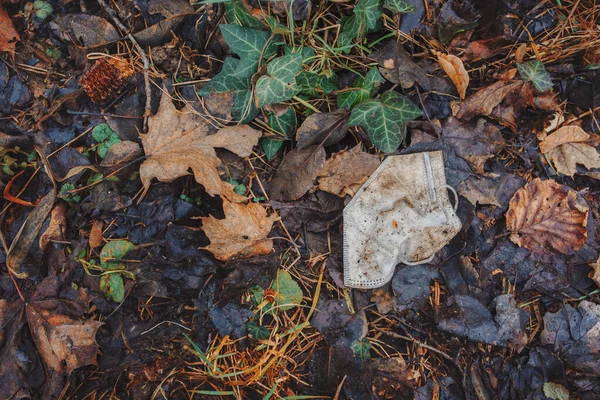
(243, 110)
(42, 9)
(307, 52)
(113, 287)
(106, 137)
(257, 332)
(270, 147)
(287, 293)
(277, 27)
(352, 28)
(369, 11)
(362, 349)
(385, 119)
(399, 6)
(256, 294)
(245, 42)
(365, 19)
(114, 250)
(237, 13)
(280, 84)
(365, 88)
(285, 124)
(535, 72)
(310, 82)
(226, 80)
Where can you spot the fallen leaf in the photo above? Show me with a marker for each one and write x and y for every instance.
(454, 68)
(91, 30)
(297, 173)
(545, 216)
(8, 35)
(96, 234)
(346, 171)
(567, 147)
(595, 274)
(501, 101)
(57, 226)
(396, 65)
(180, 140)
(243, 232)
(120, 156)
(474, 141)
(323, 129)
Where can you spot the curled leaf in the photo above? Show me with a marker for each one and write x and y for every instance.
(454, 68)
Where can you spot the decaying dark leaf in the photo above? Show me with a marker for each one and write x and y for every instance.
(545, 216)
(323, 129)
(297, 173)
(91, 30)
(396, 65)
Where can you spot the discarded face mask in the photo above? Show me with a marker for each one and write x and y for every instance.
(402, 214)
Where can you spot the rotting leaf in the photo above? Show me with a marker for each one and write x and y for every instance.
(323, 129)
(93, 31)
(396, 65)
(385, 119)
(454, 68)
(535, 72)
(569, 146)
(297, 173)
(8, 34)
(114, 250)
(346, 171)
(179, 140)
(242, 233)
(545, 216)
(57, 226)
(288, 293)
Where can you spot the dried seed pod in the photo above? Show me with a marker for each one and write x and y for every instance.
(106, 78)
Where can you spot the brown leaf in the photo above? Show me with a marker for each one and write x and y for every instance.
(595, 274)
(119, 155)
(8, 35)
(346, 171)
(96, 234)
(454, 68)
(181, 140)
(397, 66)
(297, 173)
(475, 141)
(57, 226)
(323, 129)
(545, 216)
(91, 30)
(243, 232)
(567, 147)
(502, 101)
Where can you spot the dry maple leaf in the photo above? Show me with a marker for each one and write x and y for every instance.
(8, 34)
(181, 140)
(243, 232)
(454, 68)
(346, 171)
(545, 216)
(567, 147)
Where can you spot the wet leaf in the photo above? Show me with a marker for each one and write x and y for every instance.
(280, 84)
(257, 332)
(385, 119)
(545, 216)
(112, 286)
(297, 173)
(179, 140)
(397, 66)
(114, 250)
(91, 30)
(242, 233)
(454, 68)
(287, 293)
(346, 171)
(8, 35)
(568, 147)
(556, 391)
(105, 137)
(362, 349)
(535, 72)
(230, 319)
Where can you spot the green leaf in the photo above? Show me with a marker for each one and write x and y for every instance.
(385, 119)
(369, 11)
(535, 72)
(556, 391)
(113, 287)
(285, 124)
(277, 27)
(362, 349)
(280, 84)
(237, 13)
(399, 6)
(68, 197)
(307, 52)
(243, 110)
(352, 28)
(270, 147)
(310, 83)
(257, 332)
(42, 9)
(106, 137)
(364, 88)
(227, 80)
(245, 42)
(287, 293)
(256, 294)
(114, 250)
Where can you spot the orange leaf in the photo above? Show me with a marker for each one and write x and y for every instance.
(12, 198)
(454, 68)
(8, 34)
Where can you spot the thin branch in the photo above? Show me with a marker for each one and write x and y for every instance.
(146, 61)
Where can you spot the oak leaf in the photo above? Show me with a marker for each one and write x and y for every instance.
(544, 216)
(454, 68)
(346, 171)
(243, 232)
(569, 146)
(8, 34)
(181, 140)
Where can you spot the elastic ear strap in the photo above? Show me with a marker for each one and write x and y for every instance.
(454, 193)
(406, 262)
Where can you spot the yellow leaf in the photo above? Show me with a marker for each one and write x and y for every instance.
(454, 68)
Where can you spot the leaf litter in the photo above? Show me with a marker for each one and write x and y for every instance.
(175, 173)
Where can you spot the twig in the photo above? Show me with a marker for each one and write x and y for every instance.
(148, 108)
